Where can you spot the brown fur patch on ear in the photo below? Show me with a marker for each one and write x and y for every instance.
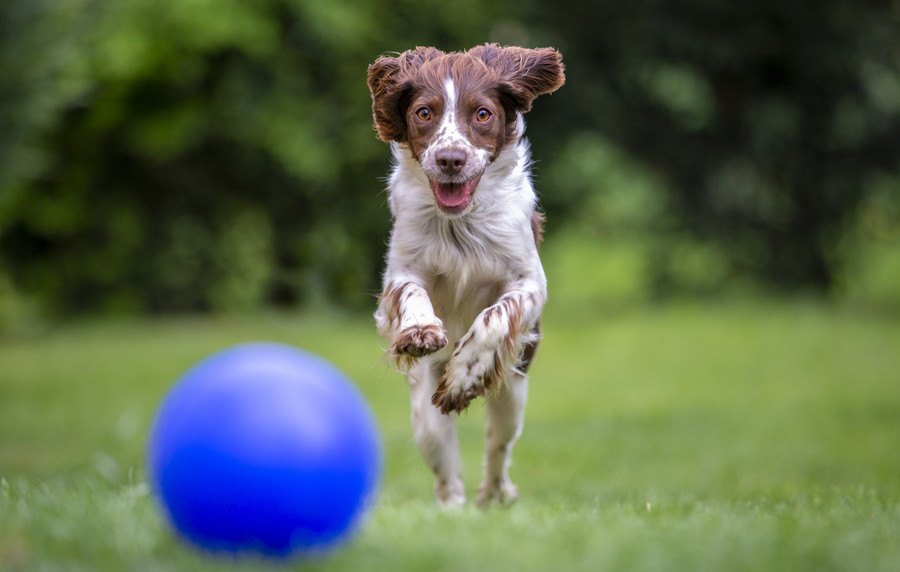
(388, 89)
(525, 73)
(390, 83)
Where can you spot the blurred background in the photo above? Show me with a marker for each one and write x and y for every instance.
(163, 156)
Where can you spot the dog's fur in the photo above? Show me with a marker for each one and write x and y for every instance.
(464, 287)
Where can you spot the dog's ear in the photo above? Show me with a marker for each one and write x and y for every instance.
(390, 83)
(524, 73)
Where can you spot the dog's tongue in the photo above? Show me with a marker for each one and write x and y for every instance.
(454, 196)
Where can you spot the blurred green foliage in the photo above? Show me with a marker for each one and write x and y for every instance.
(172, 155)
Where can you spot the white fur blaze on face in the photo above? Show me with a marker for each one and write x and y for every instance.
(449, 128)
(449, 135)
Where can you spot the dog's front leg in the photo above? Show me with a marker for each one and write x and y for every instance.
(491, 347)
(406, 318)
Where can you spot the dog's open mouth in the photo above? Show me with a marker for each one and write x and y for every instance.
(454, 197)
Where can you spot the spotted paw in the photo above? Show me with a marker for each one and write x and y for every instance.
(456, 397)
(418, 341)
(471, 371)
(503, 492)
(451, 494)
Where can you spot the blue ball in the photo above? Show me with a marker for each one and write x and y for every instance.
(265, 449)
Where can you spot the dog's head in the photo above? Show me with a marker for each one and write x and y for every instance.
(457, 111)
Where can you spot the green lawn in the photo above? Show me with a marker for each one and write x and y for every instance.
(757, 436)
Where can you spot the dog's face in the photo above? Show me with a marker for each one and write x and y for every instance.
(457, 111)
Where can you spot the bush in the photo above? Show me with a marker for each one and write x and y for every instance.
(183, 155)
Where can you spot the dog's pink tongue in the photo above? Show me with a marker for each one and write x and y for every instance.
(453, 195)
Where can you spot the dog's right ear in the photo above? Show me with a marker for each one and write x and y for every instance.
(390, 83)
(524, 73)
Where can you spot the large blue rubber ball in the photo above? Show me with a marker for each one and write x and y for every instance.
(264, 449)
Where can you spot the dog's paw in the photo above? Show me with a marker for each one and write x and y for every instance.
(418, 341)
(469, 374)
(501, 491)
(455, 397)
(451, 494)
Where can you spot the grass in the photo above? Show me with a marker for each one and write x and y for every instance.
(750, 436)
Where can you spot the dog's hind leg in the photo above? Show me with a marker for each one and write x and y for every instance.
(505, 418)
(435, 433)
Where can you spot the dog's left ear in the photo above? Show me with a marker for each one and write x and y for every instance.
(524, 73)
(390, 83)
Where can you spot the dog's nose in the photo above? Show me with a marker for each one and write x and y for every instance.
(451, 161)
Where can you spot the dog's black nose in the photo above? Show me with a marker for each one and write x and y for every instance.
(451, 160)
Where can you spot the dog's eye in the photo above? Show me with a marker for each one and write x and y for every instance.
(423, 113)
(483, 114)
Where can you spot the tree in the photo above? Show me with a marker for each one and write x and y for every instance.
(766, 119)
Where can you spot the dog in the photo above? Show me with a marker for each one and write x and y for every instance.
(464, 288)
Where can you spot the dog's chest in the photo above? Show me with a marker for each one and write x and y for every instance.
(466, 271)
(457, 299)
(466, 251)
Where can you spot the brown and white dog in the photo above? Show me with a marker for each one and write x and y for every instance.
(464, 287)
